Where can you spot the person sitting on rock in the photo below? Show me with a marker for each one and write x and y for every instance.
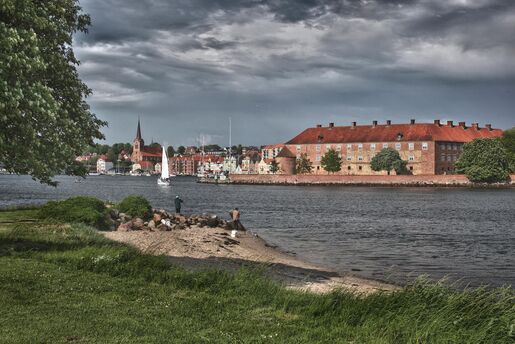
(178, 202)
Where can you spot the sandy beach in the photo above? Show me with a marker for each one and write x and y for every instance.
(199, 248)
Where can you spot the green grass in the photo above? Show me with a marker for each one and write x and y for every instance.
(66, 283)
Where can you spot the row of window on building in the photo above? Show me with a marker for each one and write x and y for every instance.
(373, 146)
(350, 157)
(448, 158)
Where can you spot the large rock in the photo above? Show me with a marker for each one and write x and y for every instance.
(151, 224)
(157, 218)
(163, 228)
(114, 213)
(125, 227)
(213, 221)
(137, 223)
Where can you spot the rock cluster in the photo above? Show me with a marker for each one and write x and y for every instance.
(161, 220)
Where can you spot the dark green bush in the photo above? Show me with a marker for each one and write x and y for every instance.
(81, 209)
(135, 206)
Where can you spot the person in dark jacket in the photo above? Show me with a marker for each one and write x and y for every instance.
(178, 202)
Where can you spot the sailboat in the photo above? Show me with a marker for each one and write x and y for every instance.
(165, 174)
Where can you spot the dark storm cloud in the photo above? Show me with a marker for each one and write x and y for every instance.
(277, 66)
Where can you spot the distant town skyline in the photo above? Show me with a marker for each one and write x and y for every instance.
(277, 67)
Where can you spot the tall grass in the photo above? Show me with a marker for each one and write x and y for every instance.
(62, 283)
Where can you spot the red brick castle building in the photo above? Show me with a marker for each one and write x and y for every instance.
(429, 148)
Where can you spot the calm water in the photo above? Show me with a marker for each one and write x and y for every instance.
(384, 233)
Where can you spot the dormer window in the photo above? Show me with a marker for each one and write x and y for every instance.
(320, 138)
(399, 136)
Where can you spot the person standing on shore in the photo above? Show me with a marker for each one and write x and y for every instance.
(178, 202)
(235, 215)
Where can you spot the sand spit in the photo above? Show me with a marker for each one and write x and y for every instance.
(199, 248)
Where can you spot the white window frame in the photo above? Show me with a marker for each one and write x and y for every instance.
(318, 158)
(373, 146)
(338, 148)
(425, 146)
(349, 146)
(360, 157)
(317, 148)
(360, 146)
(299, 147)
(349, 157)
(398, 146)
(411, 146)
(411, 158)
(385, 145)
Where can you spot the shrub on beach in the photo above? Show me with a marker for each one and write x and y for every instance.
(81, 209)
(135, 206)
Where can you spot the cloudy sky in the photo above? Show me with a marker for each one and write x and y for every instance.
(276, 67)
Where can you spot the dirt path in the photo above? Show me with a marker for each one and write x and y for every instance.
(198, 248)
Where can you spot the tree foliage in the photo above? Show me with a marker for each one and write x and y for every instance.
(44, 119)
(304, 165)
(170, 151)
(388, 159)
(484, 161)
(181, 150)
(274, 166)
(331, 161)
(508, 140)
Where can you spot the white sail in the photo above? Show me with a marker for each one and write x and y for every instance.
(165, 173)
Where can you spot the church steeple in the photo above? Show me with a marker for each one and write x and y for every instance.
(138, 132)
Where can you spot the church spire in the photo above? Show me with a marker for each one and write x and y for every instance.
(138, 132)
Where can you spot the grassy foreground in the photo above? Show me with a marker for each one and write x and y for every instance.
(66, 283)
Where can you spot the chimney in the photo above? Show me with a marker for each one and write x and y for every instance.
(374, 123)
(450, 124)
(319, 125)
(331, 125)
(437, 122)
(488, 126)
(462, 124)
(353, 124)
(388, 122)
(475, 126)
(412, 121)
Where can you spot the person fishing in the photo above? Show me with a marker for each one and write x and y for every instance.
(178, 202)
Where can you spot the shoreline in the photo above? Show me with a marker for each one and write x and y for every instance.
(453, 180)
(204, 248)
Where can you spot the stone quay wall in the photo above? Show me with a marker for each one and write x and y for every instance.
(392, 180)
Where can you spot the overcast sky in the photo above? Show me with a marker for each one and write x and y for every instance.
(277, 67)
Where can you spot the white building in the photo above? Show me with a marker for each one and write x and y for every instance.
(103, 165)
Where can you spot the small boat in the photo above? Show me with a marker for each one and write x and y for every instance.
(164, 179)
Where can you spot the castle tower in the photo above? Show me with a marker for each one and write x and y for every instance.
(137, 145)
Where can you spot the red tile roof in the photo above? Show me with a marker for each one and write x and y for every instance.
(389, 133)
(151, 154)
(285, 153)
(276, 145)
(152, 149)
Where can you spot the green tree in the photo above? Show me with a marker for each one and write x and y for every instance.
(181, 150)
(111, 155)
(484, 161)
(44, 119)
(331, 161)
(303, 165)
(170, 151)
(388, 159)
(274, 166)
(508, 140)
